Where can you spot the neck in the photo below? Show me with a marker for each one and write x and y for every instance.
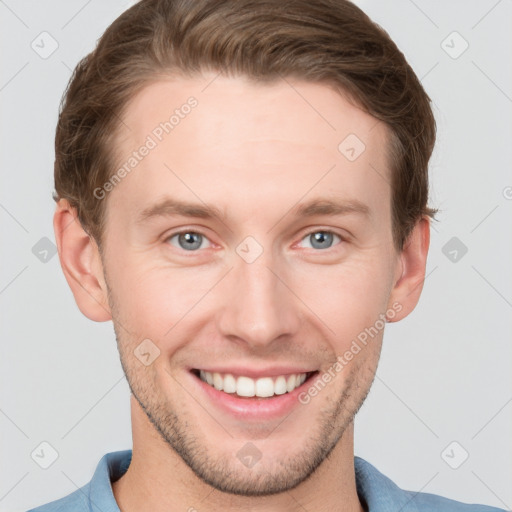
(159, 480)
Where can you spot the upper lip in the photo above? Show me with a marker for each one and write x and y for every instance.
(255, 373)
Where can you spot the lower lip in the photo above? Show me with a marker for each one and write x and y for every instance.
(255, 408)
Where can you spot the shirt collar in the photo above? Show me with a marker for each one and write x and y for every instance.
(111, 467)
(378, 492)
(375, 490)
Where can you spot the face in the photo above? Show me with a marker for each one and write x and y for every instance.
(246, 242)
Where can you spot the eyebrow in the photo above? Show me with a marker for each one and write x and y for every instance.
(168, 207)
(330, 207)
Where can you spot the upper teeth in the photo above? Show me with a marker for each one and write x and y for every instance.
(245, 386)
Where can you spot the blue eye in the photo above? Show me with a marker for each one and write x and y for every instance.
(188, 240)
(193, 241)
(321, 239)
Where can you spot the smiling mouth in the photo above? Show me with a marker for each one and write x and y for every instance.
(246, 387)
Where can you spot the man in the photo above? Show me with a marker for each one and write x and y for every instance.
(242, 189)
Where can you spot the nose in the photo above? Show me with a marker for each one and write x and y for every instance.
(257, 304)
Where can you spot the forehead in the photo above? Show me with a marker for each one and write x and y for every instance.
(243, 109)
(224, 138)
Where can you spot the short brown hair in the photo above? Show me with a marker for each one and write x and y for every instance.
(329, 41)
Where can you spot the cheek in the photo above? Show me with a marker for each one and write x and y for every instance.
(152, 300)
(347, 298)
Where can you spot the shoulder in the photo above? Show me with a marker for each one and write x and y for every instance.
(427, 502)
(381, 494)
(77, 501)
(97, 494)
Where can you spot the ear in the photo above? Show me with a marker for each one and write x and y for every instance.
(410, 270)
(81, 263)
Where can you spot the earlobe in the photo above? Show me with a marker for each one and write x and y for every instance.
(413, 259)
(81, 263)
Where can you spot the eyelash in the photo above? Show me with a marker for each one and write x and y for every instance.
(182, 232)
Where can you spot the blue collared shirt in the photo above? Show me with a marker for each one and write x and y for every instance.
(376, 492)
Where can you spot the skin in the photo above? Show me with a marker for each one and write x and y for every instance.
(256, 152)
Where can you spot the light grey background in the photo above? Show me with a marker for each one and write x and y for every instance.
(445, 371)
